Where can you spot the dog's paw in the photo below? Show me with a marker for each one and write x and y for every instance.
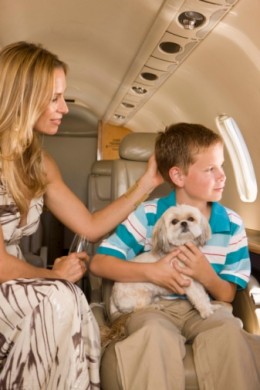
(207, 311)
(156, 306)
(216, 307)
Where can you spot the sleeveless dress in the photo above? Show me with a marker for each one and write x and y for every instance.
(49, 338)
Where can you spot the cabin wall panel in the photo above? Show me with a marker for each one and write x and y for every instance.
(74, 156)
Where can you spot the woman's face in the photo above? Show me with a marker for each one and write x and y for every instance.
(49, 121)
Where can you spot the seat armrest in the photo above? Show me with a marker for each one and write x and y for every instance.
(245, 308)
(44, 255)
(98, 309)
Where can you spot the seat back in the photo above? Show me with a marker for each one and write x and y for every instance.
(98, 196)
(99, 185)
(134, 150)
(33, 248)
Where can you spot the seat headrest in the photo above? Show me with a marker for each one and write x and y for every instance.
(102, 167)
(137, 146)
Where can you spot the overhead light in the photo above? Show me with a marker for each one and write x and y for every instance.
(119, 117)
(170, 47)
(128, 105)
(191, 19)
(139, 90)
(149, 76)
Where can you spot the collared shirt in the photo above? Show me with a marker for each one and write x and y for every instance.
(226, 250)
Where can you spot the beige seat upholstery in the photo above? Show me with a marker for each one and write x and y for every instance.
(134, 151)
(99, 185)
(98, 196)
(33, 248)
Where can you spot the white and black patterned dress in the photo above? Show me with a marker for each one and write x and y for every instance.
(49, 338)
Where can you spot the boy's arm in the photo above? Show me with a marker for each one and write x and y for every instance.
(161, 273)
(198, 267)
(227, 265)
(110, 267)
(220, 289)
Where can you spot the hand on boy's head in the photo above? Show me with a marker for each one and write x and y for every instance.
(152, 168)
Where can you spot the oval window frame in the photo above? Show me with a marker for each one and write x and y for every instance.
(240, 158)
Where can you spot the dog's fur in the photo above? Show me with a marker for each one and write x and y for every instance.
(177, 226)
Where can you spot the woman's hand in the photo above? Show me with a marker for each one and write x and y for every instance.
(71, 267)
(151, 178)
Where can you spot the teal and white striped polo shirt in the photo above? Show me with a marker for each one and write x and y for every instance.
(226, 250)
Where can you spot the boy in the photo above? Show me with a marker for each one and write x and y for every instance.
(190, 157)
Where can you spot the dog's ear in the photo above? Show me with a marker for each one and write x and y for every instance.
(206, 231)
(160, 237)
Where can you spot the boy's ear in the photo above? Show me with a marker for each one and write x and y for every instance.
(176, 176)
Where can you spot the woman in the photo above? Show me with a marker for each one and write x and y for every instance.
(48, 336)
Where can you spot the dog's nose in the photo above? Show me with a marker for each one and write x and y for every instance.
(184, 226)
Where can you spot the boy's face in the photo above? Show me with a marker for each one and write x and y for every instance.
(205, 180)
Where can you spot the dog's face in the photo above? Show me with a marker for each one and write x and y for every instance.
(179, 225)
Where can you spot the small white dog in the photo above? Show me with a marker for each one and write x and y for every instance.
(177, 226)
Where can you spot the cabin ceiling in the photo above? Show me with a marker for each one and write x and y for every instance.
(107, 43)
(97, 38)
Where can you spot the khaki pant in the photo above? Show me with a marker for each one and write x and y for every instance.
(151, 357)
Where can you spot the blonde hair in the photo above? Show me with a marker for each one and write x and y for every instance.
(26, 88)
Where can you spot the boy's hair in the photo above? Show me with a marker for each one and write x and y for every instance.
(179, 145)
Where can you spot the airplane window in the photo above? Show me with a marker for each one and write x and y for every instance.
(240, 158)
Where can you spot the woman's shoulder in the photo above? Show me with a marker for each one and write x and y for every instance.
(47, 158)
(50, 166)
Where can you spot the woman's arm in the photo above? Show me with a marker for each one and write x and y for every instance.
(71, 267)
(73, 213)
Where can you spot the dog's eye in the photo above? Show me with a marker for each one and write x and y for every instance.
(191, 219)
(175, 221)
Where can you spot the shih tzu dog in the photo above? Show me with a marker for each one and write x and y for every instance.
(177, 226)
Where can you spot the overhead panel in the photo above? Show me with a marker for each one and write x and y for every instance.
(179, 28)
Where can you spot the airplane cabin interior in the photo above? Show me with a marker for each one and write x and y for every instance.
(135, 67)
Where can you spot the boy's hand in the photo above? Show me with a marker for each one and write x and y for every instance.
(196, 265)
(165, 274)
